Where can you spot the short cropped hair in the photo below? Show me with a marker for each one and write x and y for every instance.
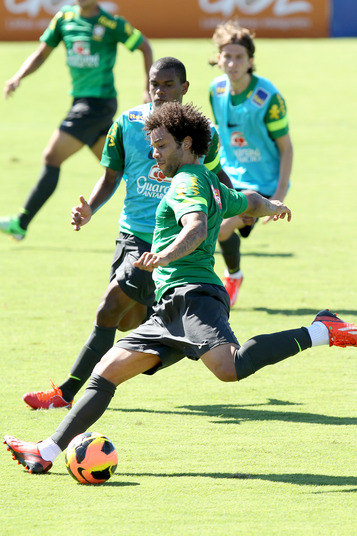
(231, 33)
(182, 120)
(169, 62)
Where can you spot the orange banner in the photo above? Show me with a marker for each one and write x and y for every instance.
(23, 20)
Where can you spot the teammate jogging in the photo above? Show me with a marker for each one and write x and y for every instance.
(91, 36)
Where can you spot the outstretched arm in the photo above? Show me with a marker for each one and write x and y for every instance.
(259, 206)
(30, 65)
(101, 193)
(148, 59)
(193, 233)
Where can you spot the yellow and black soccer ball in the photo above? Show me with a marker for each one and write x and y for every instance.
(91, 458)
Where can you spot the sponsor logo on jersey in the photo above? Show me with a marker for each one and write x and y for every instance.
(156, 174)
(260, 96)
(221, 87)
(238, 140)
(135, 115)
(81, 47)
(154, 185)
(98, 32)
(217, 196)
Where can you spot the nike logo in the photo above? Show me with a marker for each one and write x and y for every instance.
(130, 285)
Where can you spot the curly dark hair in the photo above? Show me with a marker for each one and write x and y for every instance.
(182, 120)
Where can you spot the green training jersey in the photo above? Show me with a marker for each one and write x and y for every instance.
(91, 45)
(193, 189)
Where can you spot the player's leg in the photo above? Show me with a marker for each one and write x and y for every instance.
(123, 306)
(263, 350)
(97, 147)
(60, 147)
(117, 366)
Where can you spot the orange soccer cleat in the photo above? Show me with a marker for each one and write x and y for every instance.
(46, 399)
(340, 333)
(27, 454)
(232, 285)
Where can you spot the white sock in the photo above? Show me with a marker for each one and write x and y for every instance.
(235, 275)
(49, 450)
(318, 333)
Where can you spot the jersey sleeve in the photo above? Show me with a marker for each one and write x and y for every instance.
(113, 156)
(127, 34)
(234, 202)
(276, 118)
(212, 160)
(52, 36)
(185, 196)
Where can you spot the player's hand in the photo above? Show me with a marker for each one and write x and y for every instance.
(149, 261)
(11, 86)
(81, 214)
(281, 211)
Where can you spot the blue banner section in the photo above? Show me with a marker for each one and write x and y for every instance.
(344, 18)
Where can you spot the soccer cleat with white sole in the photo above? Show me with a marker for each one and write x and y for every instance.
(340, 333)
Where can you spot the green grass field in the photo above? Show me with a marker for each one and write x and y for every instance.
(274, 455)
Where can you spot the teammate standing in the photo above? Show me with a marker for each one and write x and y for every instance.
(256, 150)
(191, 315)
(127, 154)
(91, 36)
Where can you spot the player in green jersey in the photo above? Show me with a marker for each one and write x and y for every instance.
(256, 149)
(90, 36)
(191, 315)
(127, 154)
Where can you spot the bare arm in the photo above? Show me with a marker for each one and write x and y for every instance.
(285, 149)
(193, 233)
(101, 193)
(259, 206)
(148, 59)
(30, 65)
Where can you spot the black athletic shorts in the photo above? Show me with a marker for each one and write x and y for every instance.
(89, 119)
(136, 283)
(188, 322)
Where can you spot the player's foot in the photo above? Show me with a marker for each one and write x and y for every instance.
(232, 285)
(11, 226)
(340, 333)
(50, 399)
(27, 454)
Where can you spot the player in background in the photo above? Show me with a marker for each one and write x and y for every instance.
(256, 150)
(127, 154)
(91, 36)
(191, 315)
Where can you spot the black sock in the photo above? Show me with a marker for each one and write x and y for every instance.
(231, 253)
(86, 411)
(44, 188)
(269, 349)
(98, 343)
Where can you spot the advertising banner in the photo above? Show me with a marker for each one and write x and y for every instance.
(23, 20)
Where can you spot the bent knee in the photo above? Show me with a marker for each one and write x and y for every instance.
(226, 374)
(108, 314)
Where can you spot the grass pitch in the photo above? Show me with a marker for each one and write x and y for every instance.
(273, 455)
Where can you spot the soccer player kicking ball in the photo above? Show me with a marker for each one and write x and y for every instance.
(191, 315)
(127, 155)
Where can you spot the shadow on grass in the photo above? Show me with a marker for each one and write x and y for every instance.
(262, 254)
(235, 414)
(299, 479)
(298, 312)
